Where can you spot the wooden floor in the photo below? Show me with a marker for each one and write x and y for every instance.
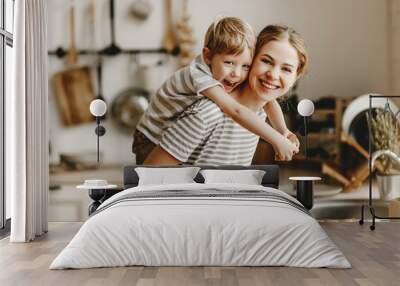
(374, 255)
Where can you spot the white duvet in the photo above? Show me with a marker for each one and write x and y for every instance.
(182, 231)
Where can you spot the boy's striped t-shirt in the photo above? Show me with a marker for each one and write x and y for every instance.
(204, 135)
(177, 93)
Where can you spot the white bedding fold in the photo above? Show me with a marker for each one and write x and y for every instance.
(203, 230)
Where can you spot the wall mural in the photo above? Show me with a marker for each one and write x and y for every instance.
(129, 54)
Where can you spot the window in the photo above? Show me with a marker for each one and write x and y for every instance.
(6, 45)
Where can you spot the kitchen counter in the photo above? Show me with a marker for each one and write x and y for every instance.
(112, 173)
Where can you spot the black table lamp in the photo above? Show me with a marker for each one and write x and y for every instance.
(98, 108)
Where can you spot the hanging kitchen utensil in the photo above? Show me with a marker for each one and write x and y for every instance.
(128, 107)
(170, 43)
(99, 85)
(141, 9)
(73, 87)
(185, 37)
(92, 29)
(112, 49)
(88, 29)
(72, 56)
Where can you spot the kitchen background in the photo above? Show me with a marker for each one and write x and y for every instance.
(348, 42)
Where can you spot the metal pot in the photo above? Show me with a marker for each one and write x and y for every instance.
(389, 186)
(128, 107)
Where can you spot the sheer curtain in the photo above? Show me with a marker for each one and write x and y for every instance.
(26, 124)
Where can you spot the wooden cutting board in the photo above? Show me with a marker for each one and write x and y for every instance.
(73, 87)
(74, 92)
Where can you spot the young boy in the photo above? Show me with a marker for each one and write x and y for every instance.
(224, 64)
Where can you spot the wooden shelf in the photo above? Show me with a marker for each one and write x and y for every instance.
(318, 135)
(325, 142)
(324, 135)
(324, 111)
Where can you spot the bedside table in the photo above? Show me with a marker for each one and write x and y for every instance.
(304, 190)
(99, 194)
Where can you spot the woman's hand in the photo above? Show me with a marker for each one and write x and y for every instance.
(293, 138)
(285, 149)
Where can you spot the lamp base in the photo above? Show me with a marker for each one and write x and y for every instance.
(100, 130)
(304, 190)
(305, 194)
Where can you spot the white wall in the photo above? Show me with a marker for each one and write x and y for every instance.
(346, 39)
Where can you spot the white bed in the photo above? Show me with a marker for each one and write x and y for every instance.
(223, 225)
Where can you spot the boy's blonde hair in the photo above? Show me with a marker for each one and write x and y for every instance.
(279, 33)
(229, 35)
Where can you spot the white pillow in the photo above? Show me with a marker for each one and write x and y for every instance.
(164, 176)
(248, 177)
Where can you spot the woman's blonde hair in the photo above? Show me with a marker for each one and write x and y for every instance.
(279, 33)
(229, 35)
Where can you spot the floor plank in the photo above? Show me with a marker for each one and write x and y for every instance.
(374, 255)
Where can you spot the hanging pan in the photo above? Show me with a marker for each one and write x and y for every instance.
(128, 107)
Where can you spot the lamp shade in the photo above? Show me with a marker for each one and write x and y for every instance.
(98, 107)
(305, 107)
